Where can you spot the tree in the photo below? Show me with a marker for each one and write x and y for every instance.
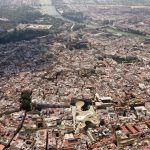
(25, 100)
(102, 122)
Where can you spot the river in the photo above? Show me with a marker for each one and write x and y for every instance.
(48, 8)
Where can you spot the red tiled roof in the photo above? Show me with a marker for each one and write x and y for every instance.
(1, 147)
(124, 129)
(137, 128)
(131, 129)
(145, 148)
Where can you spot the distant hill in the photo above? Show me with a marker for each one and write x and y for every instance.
(125, 2)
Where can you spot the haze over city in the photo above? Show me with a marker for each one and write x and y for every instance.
(74, 74)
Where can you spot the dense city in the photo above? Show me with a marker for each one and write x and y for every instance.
(75, 80)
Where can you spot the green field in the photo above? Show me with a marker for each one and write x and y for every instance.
(116, 31)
